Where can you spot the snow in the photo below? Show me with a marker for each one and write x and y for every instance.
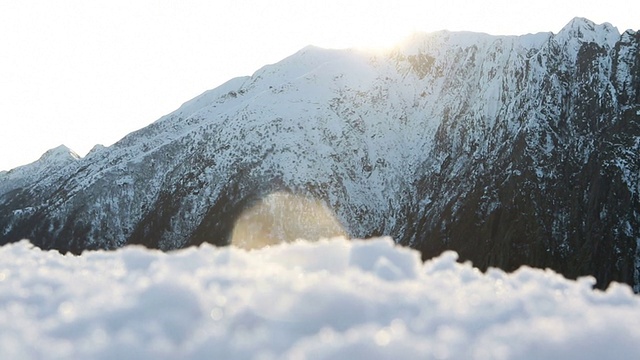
(581, 30)
(51, 161)
(332, 299)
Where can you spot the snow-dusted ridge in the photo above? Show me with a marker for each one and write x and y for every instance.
(509, 149)
(50, 162)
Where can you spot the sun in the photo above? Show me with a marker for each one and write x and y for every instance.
(367, 24)
(379, 39)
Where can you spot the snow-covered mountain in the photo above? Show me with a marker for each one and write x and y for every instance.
(51, 161)
(510, 150)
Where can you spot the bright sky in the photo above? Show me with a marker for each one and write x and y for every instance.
(80, 73)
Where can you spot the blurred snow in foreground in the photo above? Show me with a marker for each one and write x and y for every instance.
(332, 299)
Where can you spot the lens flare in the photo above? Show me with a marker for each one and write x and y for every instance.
(283, 217)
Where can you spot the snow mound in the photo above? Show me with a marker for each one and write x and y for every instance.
(332, 299)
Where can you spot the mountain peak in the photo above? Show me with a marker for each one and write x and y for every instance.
(61, 152)
(51, 161)
(580, 22)
(581, 30)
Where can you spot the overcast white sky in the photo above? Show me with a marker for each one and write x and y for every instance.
(80, 73)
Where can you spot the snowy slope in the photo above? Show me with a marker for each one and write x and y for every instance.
(49, 163)
(509, 149)
(327, 300)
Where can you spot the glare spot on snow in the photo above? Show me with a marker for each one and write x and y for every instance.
(221, 300)
(326, 335)
(119, 270)
(283, 217)
(67, 311)
(383, 337)
(398, 327)
(216, 314)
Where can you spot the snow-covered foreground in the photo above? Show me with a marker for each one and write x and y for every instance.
(332, 299)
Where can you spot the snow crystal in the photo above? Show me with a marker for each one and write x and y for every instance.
(332, 299)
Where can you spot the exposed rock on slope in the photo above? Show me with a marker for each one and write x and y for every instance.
(510, 150)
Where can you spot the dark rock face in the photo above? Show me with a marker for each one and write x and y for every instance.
(562, 193)
(509, 150)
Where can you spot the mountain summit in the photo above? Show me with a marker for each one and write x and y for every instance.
(510, 150)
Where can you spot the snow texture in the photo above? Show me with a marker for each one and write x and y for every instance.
(332, 299)
(50, 162)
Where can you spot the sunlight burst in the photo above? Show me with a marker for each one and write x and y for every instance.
(283, 217)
